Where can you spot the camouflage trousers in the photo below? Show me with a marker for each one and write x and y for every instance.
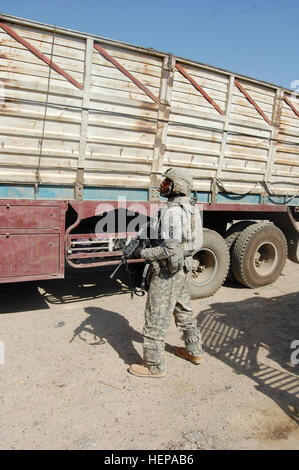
(169, 294)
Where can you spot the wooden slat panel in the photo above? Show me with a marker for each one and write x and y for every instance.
(35, 51)
(24, 55)
(123, 120)
(32, 33)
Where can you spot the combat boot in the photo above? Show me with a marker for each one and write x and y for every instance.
(143, 371)
(184, 354)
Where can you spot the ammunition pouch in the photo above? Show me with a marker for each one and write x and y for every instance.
(176, 262)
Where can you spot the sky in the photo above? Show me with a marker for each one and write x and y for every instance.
(256, 38)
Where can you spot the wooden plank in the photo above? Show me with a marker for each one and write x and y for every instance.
(184, 99)
(126, 72)
(31, 162)
(248, 142)
(186, 111)
(195, 134)
(249, 123)
(114, 94)
(240, 101)
(109, 85)
(22, 55)
(126, 181)
(19, 128)
(247, 153)
(101, 72)
(139, 56)
(33, 33)
(115, 122)
(142, 67)
(200, 72)
(30, 97)
(36, 52)
(181, 83)
(248, 116)
(290, 104)
(34, 70)
(201, 109)
(244, 110)
(105, 100)
(251, 100)
(39, 81)
(199, 88)
(28, 115)
(198, 147)
(183, 88)
(40, 86)
(253, 86)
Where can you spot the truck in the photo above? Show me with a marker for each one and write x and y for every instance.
(87, 127)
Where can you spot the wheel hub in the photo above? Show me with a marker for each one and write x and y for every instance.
(265, 258)
(205, 266)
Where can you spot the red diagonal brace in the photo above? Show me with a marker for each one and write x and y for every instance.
(41, 56)
(251, 100)
(291, 106)
(126, 72)
(199, 88)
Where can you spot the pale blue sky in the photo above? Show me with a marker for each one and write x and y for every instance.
(258, 38)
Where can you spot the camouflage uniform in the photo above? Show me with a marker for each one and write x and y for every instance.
(171, 271)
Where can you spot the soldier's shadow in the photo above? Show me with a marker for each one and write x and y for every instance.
(105, 326)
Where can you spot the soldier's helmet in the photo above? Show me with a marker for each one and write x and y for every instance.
(182, 181)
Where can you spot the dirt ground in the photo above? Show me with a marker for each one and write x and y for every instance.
(68, 344)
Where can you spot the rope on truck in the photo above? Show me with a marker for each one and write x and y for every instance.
(37, 173)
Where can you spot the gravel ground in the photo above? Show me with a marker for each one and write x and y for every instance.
(68, 344)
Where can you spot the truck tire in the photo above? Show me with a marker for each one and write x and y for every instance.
(259, 255)
(210, 265)
(235, 230)
(231, 236)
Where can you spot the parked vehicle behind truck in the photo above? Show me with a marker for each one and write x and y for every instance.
(87, 127)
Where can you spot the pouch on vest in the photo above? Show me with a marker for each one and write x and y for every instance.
(176, 262)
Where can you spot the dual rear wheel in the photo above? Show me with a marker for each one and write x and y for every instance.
(259, 255)
(256, 252)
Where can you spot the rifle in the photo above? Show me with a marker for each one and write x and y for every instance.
(128, 252)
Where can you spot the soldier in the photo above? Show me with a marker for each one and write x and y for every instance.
(178, 227)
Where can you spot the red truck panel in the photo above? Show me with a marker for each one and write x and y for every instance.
(23, 255)
(31, 217)
(31, 240)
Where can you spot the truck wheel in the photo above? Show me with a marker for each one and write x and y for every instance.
(235, 230)
(259, 255)
(210, 265)
(231, 236)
